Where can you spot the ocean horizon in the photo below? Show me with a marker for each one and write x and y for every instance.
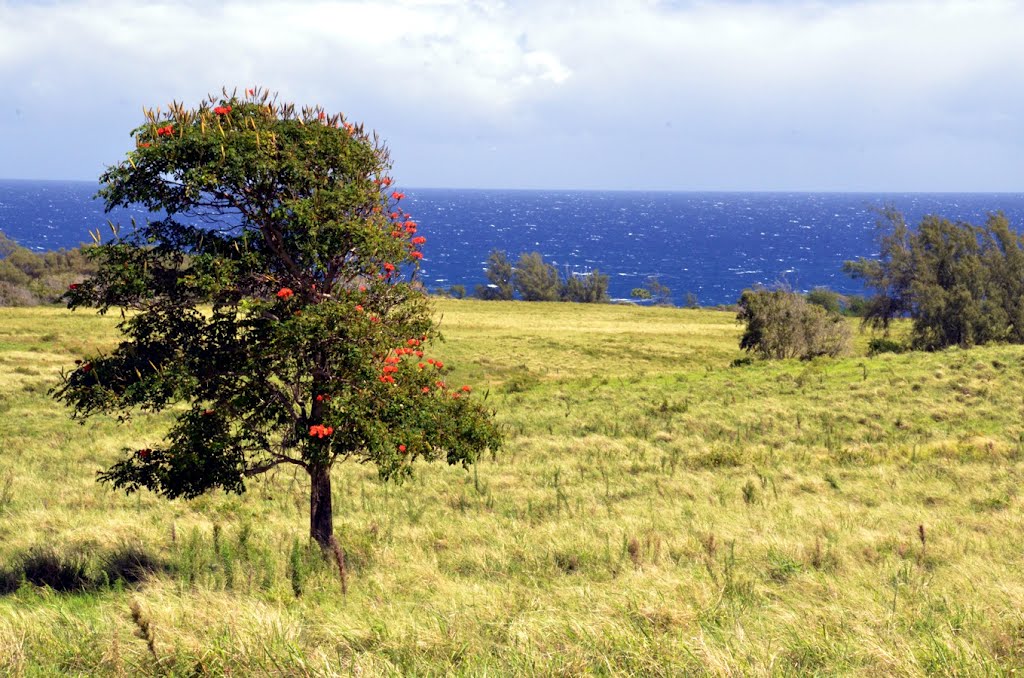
(712, 244)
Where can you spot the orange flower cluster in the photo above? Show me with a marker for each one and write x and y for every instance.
(285, 293)
(320, 431)
(397, 195)
(165, 131)
(222, 110)
(384, 181)
(144, 454)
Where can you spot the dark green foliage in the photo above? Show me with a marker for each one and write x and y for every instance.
(535, 279)
(587, 288)
(499, 274)
(884, 345)
(826, 298)
(660, 294)
(961, 284)
(782, 324)
(641, 293)
(457, 291)
(691, 301)
(28, 278)
(276, 308)
(855, 305)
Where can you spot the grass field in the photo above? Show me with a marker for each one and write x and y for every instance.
(655, 511)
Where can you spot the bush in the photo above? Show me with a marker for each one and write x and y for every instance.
(536, 280)
(587, 288)
(883, 345)
(781, 324)
(826, 298)
(499, 274)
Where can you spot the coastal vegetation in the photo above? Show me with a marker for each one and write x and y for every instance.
(30, 278)
(961, 284)
(533, 279)
(654, 511)
(281, 330)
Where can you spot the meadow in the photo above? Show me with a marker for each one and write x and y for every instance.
(657, 510)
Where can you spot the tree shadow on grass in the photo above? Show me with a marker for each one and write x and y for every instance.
(70, 572)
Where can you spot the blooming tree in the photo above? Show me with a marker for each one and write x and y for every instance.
(271, 298)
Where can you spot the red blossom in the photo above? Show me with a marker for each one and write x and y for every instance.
(467, 388)
(389, 267)
(73, 286)
(250, 92)
(87, 367)
(144, 454)
(222, 110)
(320, 431)
(416, 255)
(166, 130)
(425, 389)
(401, 448)
(438, 364)
(285, 293)
(397, 196)
(419, 354)
(359, 309)
(362, 288)
(145, 144)
(421, 365)
(419, 240)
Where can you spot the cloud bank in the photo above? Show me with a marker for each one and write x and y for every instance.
(871, 95)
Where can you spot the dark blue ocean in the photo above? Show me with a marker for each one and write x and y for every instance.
(711, 244)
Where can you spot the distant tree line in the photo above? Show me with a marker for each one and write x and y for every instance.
(533, 279)
(29, 278)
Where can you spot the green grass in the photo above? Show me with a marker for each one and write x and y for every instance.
(655, 511)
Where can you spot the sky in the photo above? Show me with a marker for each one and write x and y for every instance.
(570, 94)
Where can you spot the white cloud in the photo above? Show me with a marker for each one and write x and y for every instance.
(632, 77)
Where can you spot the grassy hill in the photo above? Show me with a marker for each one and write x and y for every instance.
(655, 511)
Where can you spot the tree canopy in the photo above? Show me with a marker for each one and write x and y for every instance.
(273, 294)
(961, 284)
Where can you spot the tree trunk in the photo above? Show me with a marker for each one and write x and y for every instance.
(321, 515)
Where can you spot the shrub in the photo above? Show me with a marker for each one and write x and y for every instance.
(499, 274)
(586, 288)
(781, 324)
(535, 279)
(885, 345)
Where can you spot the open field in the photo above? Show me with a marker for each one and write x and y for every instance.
(655, 512)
